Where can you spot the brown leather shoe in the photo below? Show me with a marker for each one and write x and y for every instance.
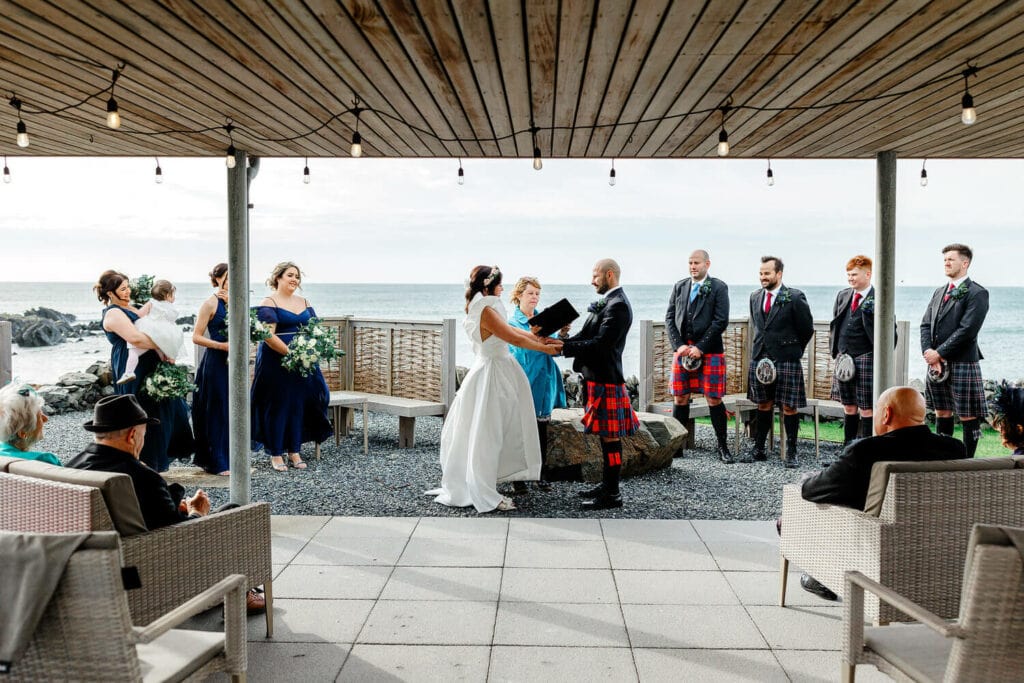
(255, 602)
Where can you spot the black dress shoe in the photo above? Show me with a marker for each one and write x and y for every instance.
(812, 585)
(543, 485)
(724, 455)
(791, 462)
(519, 488)
(754, 454)
(592, 493)
(602, 502)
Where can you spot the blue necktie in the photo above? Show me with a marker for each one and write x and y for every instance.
(693, 292)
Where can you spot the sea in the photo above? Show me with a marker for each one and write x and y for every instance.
(1001, 338)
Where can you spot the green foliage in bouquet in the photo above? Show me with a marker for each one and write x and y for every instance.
(312, 344)
(258, 330)
(168, 381)
(141, 287)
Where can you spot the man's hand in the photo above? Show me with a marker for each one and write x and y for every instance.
(932, 357)
(552, 347)
(694, 352)
(564, 332)
(682, 349)
(199, 504)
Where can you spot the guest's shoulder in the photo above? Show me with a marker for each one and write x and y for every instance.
(975, 287)
(719, 284)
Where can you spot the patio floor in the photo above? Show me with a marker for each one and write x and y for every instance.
(496, 599)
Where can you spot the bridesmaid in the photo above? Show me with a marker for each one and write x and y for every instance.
(287, 408)
(210, 399)
(172, 438)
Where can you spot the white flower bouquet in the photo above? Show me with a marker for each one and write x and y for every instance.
(168, 381)
(310, 346)
(258, 330)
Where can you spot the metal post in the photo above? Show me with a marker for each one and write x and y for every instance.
(6, 360)
(238, 323)
(885, 272)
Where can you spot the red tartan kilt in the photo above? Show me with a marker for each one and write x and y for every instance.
(609, 412)
(708, 379)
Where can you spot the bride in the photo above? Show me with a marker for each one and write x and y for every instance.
(490, 433)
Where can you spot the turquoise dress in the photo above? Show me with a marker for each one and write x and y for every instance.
(172, 438)
(9, 451)
(542, 371)
(210, 400)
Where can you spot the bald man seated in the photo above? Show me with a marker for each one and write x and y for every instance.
(902, 436)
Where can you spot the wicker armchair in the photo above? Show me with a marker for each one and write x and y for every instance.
(982, 645)
(85, 633)
(912, 535)
(174, 563)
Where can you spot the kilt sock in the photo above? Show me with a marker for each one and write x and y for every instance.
(612, 466)
(542, 434)
(851, 423)
(719, 421)
(681, 413)
(792, 423)
(764, 425)
(944, 425)
(972, 433)
(867, 427)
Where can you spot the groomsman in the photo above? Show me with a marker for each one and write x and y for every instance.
(597, 350)
(949, 341)
(782, 325)
(852, 332)
(697, 315)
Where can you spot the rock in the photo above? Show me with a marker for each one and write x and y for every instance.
(40, 332)
(50, 314)
(186, 320)
(650, 448)
(77, 379)
(107, 390)
(56, 397)
(102, 371)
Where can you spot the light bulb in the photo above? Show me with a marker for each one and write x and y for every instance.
(357, 144)
(537, 163)
(771, 178)
(159, 175)
(462, 176)
(7, 174)
(924, 178)
(968, 115)
(22, 134)
(723, 144)
(611, 178)
(229, 159)
(113, 116)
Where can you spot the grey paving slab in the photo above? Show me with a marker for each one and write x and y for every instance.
(429, 622)
(297, 526)
(667, 529)
(523, 584)
(341, 550)
(673, 588)
(799, 628)
(556, 554)
(313, 621)
(369, 527)
(479, 584)
(283, 549)
(420, 663)
(272, 662)
(691, 626)
(720, 666)
(276, 569)
(735, 530)
(659, 554)
(744, 556)
(331, 582)
(576, 624)
(453, 552)
(823, 666)
(561, 664)
(462, 527)
(762, 588)
(555, 529)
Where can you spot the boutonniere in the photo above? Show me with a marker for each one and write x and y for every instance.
(784, 297)
(959, 292)
(704, 289)
(596, 306)
(868, 305)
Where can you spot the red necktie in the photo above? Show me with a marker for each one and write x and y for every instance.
(946, 297)
(767, 302)
(856, 302)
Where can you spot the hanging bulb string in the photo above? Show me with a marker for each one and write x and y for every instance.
(75, 105)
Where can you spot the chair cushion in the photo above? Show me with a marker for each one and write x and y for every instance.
(916, 650)
(178, 654)
(117, 489)
(5, 461)
(880, 472)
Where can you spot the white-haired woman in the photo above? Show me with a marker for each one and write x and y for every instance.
(21, 423)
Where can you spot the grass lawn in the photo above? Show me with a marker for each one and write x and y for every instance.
(990, 445)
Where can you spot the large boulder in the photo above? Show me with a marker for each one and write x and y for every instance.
(77, 379)
(650, 448)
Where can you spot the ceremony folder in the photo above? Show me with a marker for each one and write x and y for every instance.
(554, 317)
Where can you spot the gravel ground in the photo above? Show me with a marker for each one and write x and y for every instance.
(390, 481)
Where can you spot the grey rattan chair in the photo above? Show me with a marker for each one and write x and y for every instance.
(86, 633)
(984, 644)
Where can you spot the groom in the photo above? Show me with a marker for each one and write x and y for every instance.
(598, 353)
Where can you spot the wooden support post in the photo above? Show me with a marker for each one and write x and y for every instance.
(406, 432)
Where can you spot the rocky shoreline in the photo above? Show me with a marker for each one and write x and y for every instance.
(46, 327)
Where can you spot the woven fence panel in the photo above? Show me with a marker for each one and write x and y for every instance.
(372, 358)
(334, 371)
(736, 362)
(822, 388)
(416, 364)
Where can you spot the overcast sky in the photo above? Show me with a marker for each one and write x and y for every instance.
(385, 220)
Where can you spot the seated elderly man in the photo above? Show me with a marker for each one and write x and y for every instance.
(119, 432)
(902, 435)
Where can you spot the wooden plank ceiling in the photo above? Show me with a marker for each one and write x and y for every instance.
(471, 78)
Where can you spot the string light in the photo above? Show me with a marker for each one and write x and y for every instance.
(113, 115)
(538, 163)
(924, 175)
(158, 177)
(968, 115)
(229, 158)
(462, 174)
(7, 171)
(723, 135)
(357, 140)
(305, 173)
(22, 130)
(611, 175)
(770, 175)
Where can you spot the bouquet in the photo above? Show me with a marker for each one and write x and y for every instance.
(141, 287)
(310, 345)
(168, 381)
(258, 330)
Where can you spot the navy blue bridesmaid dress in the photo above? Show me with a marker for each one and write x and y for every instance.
(287, 408)
(210, 400)
(172, 438)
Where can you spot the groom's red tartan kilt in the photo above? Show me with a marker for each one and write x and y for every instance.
(609, 412)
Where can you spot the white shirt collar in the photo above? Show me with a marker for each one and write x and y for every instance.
(863, 292)
(956, 283)
(775, 291)
(608, 293)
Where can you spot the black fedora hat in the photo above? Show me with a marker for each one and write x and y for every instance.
(119, 411)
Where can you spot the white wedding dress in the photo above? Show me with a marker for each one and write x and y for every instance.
(490, 433)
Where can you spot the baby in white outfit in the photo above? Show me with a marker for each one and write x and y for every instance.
(156, 319)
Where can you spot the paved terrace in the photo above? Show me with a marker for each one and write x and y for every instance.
(496, 599)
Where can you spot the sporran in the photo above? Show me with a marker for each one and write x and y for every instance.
(845, 368)
(764, 371)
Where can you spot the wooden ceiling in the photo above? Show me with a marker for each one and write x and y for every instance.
(470, 78)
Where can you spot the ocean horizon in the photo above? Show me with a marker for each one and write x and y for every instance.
(1000, 339)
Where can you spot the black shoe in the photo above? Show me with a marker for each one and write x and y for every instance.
(592, 493)
(755, 453)
(602, 502)
(792, 461)
(812, 585)
(543, 485)
(519, 488)
(724, 455)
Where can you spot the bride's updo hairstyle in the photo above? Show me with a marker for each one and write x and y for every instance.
(109, 281)
(483, 279)
(278, 273)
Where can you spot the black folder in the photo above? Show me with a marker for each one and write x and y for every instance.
(554, 317)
